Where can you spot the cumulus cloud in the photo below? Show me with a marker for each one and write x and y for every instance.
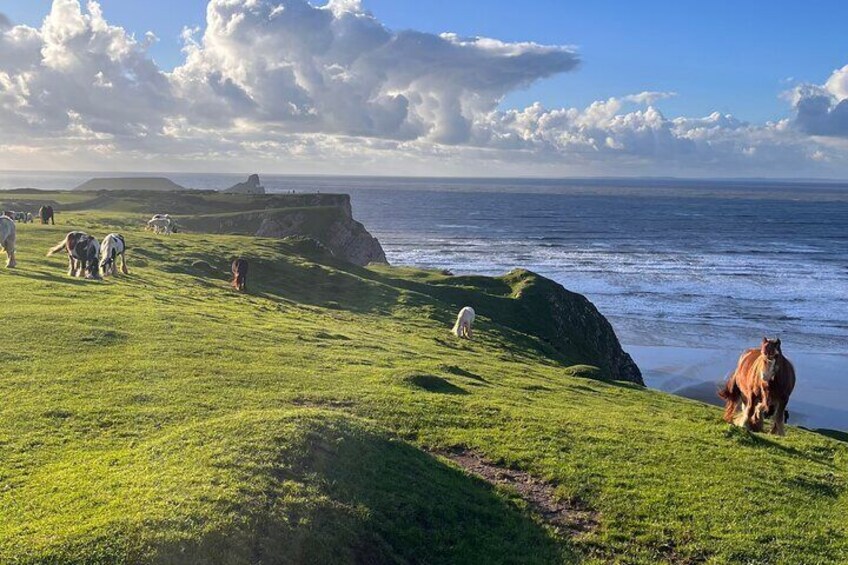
(823, 110)
(54, 79)
(336, 69)
(285, 80)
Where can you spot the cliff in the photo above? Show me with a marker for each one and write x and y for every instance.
(327, 218)
(565, 325)
(343, 236)
(571, 324)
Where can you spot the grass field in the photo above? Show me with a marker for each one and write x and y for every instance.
(162, 417)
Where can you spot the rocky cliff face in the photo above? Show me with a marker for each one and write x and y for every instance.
(251, 186)
(571, 324)
(340, 233)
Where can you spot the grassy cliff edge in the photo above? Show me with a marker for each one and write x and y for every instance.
(160, 417)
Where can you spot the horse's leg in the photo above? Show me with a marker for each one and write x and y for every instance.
(751, 422)
(71, 266)
(739, 409)
(124, 264)
(779, 418)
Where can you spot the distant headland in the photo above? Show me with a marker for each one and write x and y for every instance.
(157, 184)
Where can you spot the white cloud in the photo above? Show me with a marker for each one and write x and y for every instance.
(649, 97)
(286, 84)
(823, 110)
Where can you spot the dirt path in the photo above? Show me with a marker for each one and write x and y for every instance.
(568, 517)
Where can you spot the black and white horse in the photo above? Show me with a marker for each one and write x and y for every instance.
(7, 239)
(112, 247)
(83, 254)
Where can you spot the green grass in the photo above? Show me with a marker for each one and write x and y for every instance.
(161, 417)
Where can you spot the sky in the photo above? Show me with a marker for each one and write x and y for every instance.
(537, 88)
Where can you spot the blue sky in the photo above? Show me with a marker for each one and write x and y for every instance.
(726, 56)
(536, 88)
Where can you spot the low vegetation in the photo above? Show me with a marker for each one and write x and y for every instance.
(162, 417)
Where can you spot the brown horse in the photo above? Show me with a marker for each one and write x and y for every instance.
(239, 269)
(46, 215)
(763, 381)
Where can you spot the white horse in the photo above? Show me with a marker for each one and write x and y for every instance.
(112, 247)
(161, 223)
(7, 239)
(462, 327)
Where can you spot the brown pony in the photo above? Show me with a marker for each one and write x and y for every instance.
(239, 270)
(46, 215)
(762, 383)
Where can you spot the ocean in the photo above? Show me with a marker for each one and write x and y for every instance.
(689, 273)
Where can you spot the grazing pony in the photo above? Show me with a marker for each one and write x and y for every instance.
(462, 327)
(113, 246)
(161, 224)
(83, 254)
(46, 215)
(763, 381)
(7, 240)
(239, 269)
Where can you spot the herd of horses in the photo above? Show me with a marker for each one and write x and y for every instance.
(759, 388)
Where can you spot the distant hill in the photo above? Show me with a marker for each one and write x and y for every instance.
(156, 184)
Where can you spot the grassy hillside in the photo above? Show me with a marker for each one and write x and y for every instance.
(161, 417)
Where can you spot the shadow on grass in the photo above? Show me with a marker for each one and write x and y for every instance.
(61, 277)
(768, 441)
(832, 434)
(340, 493)
(460, 372)
(432, 383)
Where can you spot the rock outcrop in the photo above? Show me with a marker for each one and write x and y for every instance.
(334, 228)
(251, 186)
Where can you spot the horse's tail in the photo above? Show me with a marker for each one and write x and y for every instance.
(730, 393)
(62, 245)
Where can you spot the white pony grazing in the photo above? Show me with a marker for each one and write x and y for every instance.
(112, 247)
(7, 239)
(161, 223)
(462, 327)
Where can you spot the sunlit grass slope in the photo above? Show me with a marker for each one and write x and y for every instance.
(162, 417)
